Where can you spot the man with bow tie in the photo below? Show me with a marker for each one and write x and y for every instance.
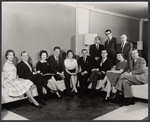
(136, 76)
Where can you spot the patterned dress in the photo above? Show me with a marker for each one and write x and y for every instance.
(15, 86)
(113, 77)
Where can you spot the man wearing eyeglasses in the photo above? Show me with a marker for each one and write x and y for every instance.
(110, 45)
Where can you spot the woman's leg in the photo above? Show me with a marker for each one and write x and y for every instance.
(56, 84)
(73, 83)
(108, 89)
(51, 82)
(28, 93)
(102, 83)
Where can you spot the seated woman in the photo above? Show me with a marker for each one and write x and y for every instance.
(43, 68)
(71, 68)
(113, 75)
(16, 86)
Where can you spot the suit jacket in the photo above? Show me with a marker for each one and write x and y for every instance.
(87, 65)
(94, 52)
(105, 66)
(126, 50)
(54, 66)
(111, 47)
(139, 69)
(23, 70)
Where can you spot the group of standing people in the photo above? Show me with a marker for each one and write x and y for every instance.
(111, 63)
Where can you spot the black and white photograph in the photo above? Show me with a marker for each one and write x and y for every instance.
(74, 60)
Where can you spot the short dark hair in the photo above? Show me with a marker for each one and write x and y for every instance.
(104, 50)
(120, 53)
(7, 53)
(136, 50)
(70, 51)
(84, 50)
(98, 37)
(57, 47)
(107, 30)
(43, 51)
(23, 52)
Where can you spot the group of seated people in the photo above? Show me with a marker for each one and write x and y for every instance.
(87, 69)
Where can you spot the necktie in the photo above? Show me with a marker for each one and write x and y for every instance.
(57, 60)
(97, 46)
(102, 62)
(122, 47)
(84, 58)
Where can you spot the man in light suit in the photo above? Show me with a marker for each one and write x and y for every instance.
(25, 70)
(95, 50)
(136, 76)
(85, 64)
(110, 45)
(125, 47)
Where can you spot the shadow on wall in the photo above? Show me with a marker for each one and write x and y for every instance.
(73, 46)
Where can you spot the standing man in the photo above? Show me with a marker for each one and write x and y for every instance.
(95, 50)
(136, 76)
(85, 64)
(110, 45)
(125, 47)
(56, 64)
(25, 70)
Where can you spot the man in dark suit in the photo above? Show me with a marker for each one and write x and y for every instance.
(25, 70)
(99, 71)
(110, 45)
(137, 75)
(57, 64)
(125, 47)
(85, 65)
(95, 50)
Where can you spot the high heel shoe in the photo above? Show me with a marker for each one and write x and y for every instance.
(37, 106)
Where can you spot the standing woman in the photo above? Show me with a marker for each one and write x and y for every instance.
(71, 68)
(16, 86)
(43, 68)
(113, 75)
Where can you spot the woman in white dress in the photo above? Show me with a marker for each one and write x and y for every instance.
(71, 68)
(16, 86)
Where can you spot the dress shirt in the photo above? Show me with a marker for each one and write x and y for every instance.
(28, 65)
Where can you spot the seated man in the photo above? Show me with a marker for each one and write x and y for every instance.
(99, 71)
(25, 70)
(56, 64)
(136, 76)
(85, 64)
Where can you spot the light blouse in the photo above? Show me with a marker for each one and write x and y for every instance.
(70, 63)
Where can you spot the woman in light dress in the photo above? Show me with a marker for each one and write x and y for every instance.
(113, 75)
(43, 68)
(16, 86)
(71, 68)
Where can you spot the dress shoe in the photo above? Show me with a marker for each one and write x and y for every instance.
(37, 106)
(42, 102)
(130, 101)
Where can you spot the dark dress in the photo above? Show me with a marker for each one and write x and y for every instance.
(113, 77)
(43, 67)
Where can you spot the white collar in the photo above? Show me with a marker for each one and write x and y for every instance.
(110, 38)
